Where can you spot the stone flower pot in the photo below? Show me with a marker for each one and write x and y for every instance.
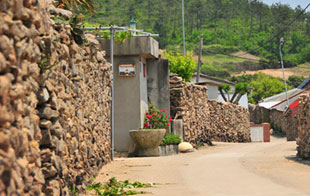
(147, 141)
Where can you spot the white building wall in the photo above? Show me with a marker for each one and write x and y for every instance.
(243, 101)
(212, 92)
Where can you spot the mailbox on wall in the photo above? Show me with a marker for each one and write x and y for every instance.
(127, 69)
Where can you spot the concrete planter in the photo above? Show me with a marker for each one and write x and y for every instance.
(147, 141)
(167, 150)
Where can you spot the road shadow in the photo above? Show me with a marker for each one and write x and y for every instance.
(298, 160)
(278, 135)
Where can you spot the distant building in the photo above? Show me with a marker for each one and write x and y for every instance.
(213, 85)
(279, 101)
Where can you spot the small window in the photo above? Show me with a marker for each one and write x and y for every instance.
(144, 70)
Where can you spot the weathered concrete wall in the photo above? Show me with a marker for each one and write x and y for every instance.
(279, 120)
(205, 120)
(126, 103)
(134, 46)
(303, 140)
(54, 125)
(158, 83)
(131, 92)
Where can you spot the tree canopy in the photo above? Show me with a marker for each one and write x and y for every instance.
(246, 25)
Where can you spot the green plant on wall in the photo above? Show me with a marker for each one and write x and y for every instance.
(88, 5)
(44, 64)
(76, 23)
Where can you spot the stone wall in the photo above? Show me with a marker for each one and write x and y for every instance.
(229, 122)
(190, 103)
(278, 120)
(205, 120)
(303, 140)
(54, 103)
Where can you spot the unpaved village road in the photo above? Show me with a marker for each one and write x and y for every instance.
(256, 169)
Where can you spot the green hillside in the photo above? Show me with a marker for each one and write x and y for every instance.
(253, 27)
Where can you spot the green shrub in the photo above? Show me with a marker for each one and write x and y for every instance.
(295, 81)
(182, 65)
(171, 139)
(292, 60)
(263, 85)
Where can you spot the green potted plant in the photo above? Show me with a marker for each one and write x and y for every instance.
(150, 136)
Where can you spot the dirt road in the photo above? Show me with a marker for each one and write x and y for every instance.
(256, 169)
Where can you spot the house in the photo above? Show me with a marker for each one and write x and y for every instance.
(140, 77)
(213, 85)
(279, 101)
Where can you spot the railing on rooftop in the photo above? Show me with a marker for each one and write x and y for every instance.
(117, 29)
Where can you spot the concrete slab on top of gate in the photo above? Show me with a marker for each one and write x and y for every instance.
(146, 46)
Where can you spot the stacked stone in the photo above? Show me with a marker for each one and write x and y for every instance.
(204, 119)
(229, 122)
(259, 114)
(189, 102)
(279, 119)
(54, 121)
(303, 140)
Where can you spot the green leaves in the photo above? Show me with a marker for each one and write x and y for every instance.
(116, 188)
(241, 88)
(76, 23)
(225, 87)
(171, 139)
(266, 86)
(181, 65)
(78, 4)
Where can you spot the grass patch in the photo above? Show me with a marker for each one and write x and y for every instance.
(117, 188)
(220, 59)
(304, 67)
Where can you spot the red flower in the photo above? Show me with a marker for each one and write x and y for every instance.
(148, 116)
(168, 125)
(166, 115)
(146, 125)
(170, 120)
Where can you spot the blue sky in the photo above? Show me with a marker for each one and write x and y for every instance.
(292, 3)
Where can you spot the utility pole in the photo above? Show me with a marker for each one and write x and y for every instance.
(281, 44)
(184, 51)
(112, 30)
(199, 59)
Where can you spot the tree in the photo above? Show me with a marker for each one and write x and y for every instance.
(295, 81)
(266, 86)
(240, 89)
(181, 65)
(248, 25)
